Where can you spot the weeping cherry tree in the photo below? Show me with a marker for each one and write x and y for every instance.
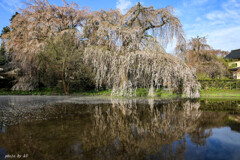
(126, 51)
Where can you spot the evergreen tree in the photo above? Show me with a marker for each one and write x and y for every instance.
(14, 16)
(2, 55)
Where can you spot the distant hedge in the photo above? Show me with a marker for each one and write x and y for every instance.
(220, 84)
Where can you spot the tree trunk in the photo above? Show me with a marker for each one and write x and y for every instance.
(68, 83)
(64, 84)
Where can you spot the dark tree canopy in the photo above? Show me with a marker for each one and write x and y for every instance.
(62, 55)
(16, 13)
(5, 30)
(2, 54)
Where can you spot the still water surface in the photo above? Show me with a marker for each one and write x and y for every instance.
(34, 127)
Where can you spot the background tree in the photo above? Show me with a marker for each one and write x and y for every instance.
(197, 48)
(2, 54)
(5, 30)
(5, 57)
(62, 57)
(199, 55)
(219, 53)
(16, 13)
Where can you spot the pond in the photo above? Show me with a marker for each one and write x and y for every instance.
(39, 127)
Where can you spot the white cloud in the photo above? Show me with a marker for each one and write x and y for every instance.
(198, 19)
(123, 5)
(230, 11)
(227, 26)
(216, 15)
(178, 12)
(194, 3)
(199, 2)
(12, 5)
(221, 26)
(225, 39)
(226, 14)
(6, 8)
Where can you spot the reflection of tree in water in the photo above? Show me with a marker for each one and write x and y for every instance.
(199, 136)
(215, 114)
(208, 120)
(123, 129)
(136, 129)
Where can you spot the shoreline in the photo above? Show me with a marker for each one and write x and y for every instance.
(141, 93)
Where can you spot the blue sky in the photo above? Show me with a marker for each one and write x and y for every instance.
(218, 20)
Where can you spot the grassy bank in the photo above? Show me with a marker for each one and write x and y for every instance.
(141, 92)
(220, 93)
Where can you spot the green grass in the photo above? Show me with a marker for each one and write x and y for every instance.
(220, 93)
(212, 93)
(159, 93)
(141, 92)
(93, 93)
